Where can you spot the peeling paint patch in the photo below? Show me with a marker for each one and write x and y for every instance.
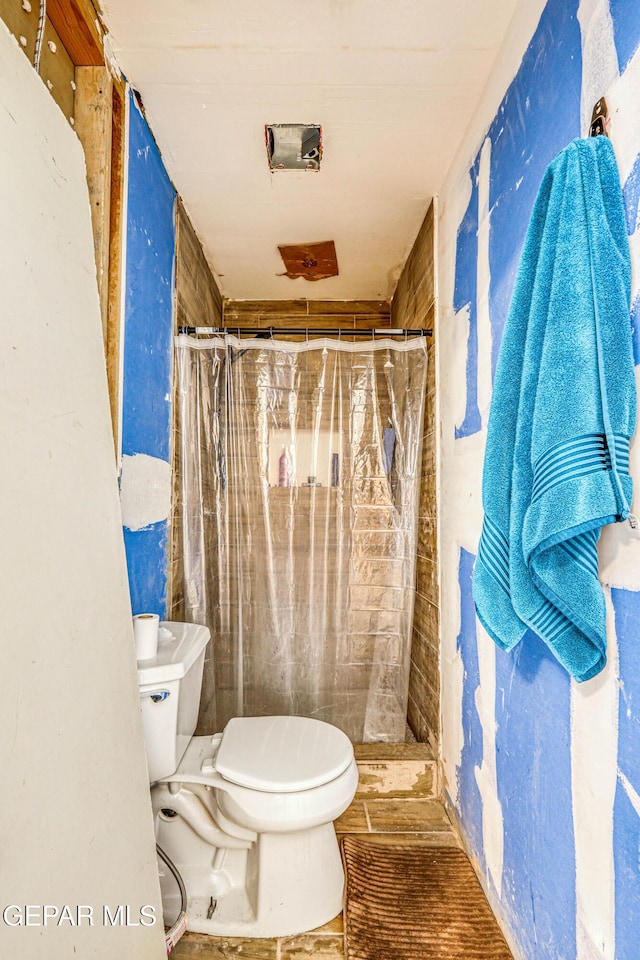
(145, 491)
(411, 779)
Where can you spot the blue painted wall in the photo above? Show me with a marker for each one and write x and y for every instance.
(533, 765)
(626, 817)
(465, 298)
(538, 116)
(148, 345)
(471, 759)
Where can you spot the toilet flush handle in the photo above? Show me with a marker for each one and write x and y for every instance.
(156, 695)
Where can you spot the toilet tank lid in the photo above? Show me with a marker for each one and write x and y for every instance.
(282, 754)
(179, 646)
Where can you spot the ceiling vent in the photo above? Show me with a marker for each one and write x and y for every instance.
(294, 146)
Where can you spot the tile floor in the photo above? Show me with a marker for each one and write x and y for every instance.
(396, 801)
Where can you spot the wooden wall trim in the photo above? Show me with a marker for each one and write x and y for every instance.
(359, 314)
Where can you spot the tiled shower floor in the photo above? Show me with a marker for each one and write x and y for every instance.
(395, 802)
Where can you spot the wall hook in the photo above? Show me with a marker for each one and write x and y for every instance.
(599, 119)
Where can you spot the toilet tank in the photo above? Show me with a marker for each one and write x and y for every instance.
(170, 685)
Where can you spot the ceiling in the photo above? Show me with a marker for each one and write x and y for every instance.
(392, 82)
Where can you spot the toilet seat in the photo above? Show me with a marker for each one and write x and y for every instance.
(288, 812)
(282, 754)
(265, 810)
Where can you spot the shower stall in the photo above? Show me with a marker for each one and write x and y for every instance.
(296, 497)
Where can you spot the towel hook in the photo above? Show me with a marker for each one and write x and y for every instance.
(599, 119)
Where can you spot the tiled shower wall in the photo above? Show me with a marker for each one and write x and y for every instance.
(414, 307)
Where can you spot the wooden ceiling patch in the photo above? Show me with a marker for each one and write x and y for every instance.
(311, 261)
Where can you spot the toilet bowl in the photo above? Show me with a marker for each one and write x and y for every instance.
(246, 815)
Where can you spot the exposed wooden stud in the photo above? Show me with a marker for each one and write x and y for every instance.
(93, 123)
(114, 277)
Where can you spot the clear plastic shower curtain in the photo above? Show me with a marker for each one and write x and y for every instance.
(297, 500)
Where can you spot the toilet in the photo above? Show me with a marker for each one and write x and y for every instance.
(245, 815)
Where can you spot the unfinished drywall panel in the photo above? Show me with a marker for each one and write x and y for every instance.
(76, 827)
(543, 772)
(147, 367)
(56, 67)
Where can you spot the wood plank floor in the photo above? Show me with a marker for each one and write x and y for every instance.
(396, 801)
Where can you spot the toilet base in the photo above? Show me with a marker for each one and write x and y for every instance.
(285, 884)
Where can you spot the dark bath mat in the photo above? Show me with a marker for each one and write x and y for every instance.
(415, 902)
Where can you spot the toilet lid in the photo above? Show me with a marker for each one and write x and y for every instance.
(282, 754)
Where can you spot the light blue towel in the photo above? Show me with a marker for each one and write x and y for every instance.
(563, 410)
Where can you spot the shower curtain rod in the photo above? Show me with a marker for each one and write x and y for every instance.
(306, 331)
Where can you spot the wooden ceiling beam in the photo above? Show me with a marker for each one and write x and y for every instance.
(78, 27)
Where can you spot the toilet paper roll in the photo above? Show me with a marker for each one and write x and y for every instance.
(145, 634)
